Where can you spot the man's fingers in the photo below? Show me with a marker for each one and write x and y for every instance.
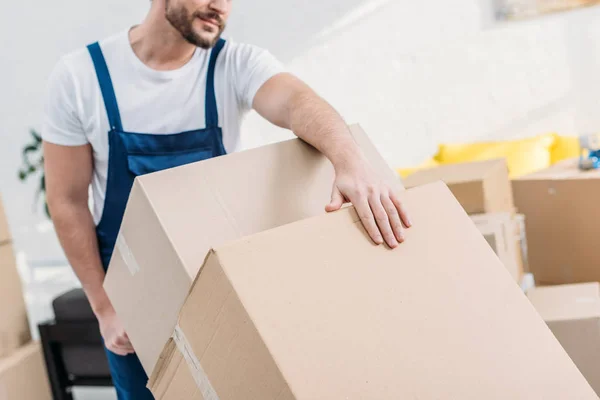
(401, 209)
(393, 216)
(117, 350)
(366, 216)
(382, 219)
(337, 200)
(122, 343)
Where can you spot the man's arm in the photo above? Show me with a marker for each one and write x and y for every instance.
(289, 103)
(68, 175)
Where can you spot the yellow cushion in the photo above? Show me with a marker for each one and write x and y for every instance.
(522, 156)
(564, 147)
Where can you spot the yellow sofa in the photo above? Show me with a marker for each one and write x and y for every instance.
(523, 156)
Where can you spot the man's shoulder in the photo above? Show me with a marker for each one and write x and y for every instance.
(80, 57)
(77, 64)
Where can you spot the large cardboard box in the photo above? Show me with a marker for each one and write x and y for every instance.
(14, 324)
(23, 375)
(314, 311)
(5, 235)
(480, 187)
(573, 314)
(174, 217)
(502, 232)
(561, 208)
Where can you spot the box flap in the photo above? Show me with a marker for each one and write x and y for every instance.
(437, 317)
(455, 173)
(242, 193)
(576, 301)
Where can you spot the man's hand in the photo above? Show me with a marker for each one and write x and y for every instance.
(114, 335)
(381, 212)
(288, 102)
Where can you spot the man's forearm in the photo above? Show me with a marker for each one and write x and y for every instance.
(76, 232)
(318, 123)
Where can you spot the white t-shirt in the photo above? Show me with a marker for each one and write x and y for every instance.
(150, 101)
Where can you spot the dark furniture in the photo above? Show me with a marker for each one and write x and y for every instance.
(72, 346)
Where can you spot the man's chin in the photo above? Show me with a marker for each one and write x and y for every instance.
(202, 39)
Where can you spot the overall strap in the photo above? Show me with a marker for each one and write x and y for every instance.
(211, 112)
(106, 86)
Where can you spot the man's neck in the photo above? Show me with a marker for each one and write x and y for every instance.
(158, 45)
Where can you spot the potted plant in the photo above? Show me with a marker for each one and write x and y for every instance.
(33, 166)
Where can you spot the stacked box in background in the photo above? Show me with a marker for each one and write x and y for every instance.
(14, 324)
(502, 232)
(484, 190)
(562, 210)
(22, 370)
(23, 375)
(480, 187)
(561, 205)
(573, 314)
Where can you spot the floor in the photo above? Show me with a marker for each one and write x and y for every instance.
(41, 285)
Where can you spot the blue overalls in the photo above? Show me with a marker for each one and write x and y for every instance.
(133, 154)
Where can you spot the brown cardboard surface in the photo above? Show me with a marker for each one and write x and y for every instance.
(175, 216)
(14, 325)
(23, 375)
(313, 310)
(560, 205)
(573, 314)
(5, 235)
(501, 230)
(480, 187)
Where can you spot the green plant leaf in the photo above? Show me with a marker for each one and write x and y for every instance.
(43, 183)
(30, 148)
(35, 135)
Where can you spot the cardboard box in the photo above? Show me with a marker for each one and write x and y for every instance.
(480, 187)
(502, 232)
(174, 217)
(14, 324)
(313, 310)
(561, 208)
(5, 235)
(573, 314)
(23, 375)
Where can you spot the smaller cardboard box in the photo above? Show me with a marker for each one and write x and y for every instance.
(313, 310)
(573, 314)
(502, 232)
(23, 375)
(480, 187)
(561, 208)
(14, 324)
(5, 235)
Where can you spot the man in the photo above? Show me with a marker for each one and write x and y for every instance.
(164, 93)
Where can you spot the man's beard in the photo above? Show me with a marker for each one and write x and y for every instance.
(181, 20)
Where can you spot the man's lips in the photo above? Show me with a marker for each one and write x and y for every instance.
(211, 21)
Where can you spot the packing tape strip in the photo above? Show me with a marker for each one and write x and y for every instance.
(202, 381)
(127, 255)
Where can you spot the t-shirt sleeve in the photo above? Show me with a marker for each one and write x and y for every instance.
(253, 66)
(61, 123)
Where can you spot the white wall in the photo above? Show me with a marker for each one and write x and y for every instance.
(412, 73)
